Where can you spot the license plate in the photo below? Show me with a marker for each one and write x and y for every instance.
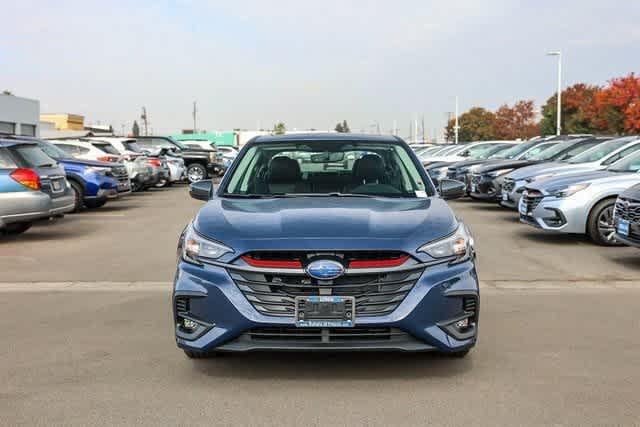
(325, 311)
(522, 208)
(56, 185)
(474, 188)
(505, 196)
(123, 186)
(623, 227)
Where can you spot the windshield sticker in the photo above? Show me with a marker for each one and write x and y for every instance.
(421, 194)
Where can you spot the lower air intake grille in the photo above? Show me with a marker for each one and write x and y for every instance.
(324, 334)
(182, 304)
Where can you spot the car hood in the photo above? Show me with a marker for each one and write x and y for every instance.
(436, 165)
(321, 223)
(88, 163)
(577, 178)
(469, 163)
(503, 164)
(632, 193)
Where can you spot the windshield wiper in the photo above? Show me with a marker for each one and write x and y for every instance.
(46, 165)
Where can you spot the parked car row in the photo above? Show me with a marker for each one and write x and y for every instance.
(42, 179)
(577, 184)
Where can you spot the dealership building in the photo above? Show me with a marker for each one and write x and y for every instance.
(19, 116)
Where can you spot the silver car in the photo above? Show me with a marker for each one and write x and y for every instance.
(596, 158)
(580, 203)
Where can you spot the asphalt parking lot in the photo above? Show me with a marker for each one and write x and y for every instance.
(88, 336)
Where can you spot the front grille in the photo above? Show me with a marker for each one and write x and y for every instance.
(376, 294)
(119, 173)
(532, 199)
(475, 178)
(508, 184)
(325, 335)
(628, 209)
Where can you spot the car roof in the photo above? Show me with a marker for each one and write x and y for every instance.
(7, 140)
(327, 137)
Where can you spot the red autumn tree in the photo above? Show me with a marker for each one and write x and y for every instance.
(615, 108)
(516, 122)
(577, 114)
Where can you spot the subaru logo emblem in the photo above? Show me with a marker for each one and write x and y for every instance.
(325, 269)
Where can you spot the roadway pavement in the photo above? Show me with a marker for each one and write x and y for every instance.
(84, 305)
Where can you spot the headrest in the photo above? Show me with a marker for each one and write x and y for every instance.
(284, 169)
(369, 167)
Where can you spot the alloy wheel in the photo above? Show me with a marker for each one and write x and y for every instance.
(195, 173)
(606, 227)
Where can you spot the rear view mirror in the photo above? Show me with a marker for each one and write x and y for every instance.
(451, 189)
(201, 190)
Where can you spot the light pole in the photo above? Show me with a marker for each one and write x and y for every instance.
(456, 127)
(559, 107)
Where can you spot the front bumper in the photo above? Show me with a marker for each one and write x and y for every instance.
(176, 172)
(511, 199)
(484, 187)
(229, 322)
(567, 215)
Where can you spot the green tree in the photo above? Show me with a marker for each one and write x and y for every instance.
(135, 131)
(477, 124)
(279, 128)
(577, 106)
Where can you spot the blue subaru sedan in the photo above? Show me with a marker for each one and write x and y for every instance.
(326, 242)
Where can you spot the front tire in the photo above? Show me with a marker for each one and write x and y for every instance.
(600, 226)
(196, 172)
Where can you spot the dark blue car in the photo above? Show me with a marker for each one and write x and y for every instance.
(326, 242)
(93, 183)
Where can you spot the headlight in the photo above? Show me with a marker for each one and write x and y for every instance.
(567, 191)
(499, 172)
(97, 170)
(458, 245)
(196, 249)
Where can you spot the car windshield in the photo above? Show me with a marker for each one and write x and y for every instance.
(630, 163)
(132, 146)
(326, 168)
(555, 150)
(52, 151)
(106, 147)
(495, 149)
(601, 150)
(515, 151)
(536, 153)
(481, 151)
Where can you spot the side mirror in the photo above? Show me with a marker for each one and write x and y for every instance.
(451, 189)
(201, 190)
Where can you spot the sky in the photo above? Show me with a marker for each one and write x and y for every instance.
(309, 64)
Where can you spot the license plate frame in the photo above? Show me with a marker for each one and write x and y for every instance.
(522, 209)
(505, 196)
(474, 188)
(325, 311)
(623, 227)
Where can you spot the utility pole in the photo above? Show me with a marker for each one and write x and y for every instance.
(145, 121)
(559, 106)
(195, 114)
(395, 127)
(423, 134)
(456, 127)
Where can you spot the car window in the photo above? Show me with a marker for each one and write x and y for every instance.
(322, 168)
(51, 150)
(6, 162)
(621, 154)
(515, 151)
(630, 163)
(480, 150)
(69, 149)
(536, 152)
(132, 146)
(32, 156)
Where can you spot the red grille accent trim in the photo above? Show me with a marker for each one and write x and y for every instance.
(378, 263)
(271, 263)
